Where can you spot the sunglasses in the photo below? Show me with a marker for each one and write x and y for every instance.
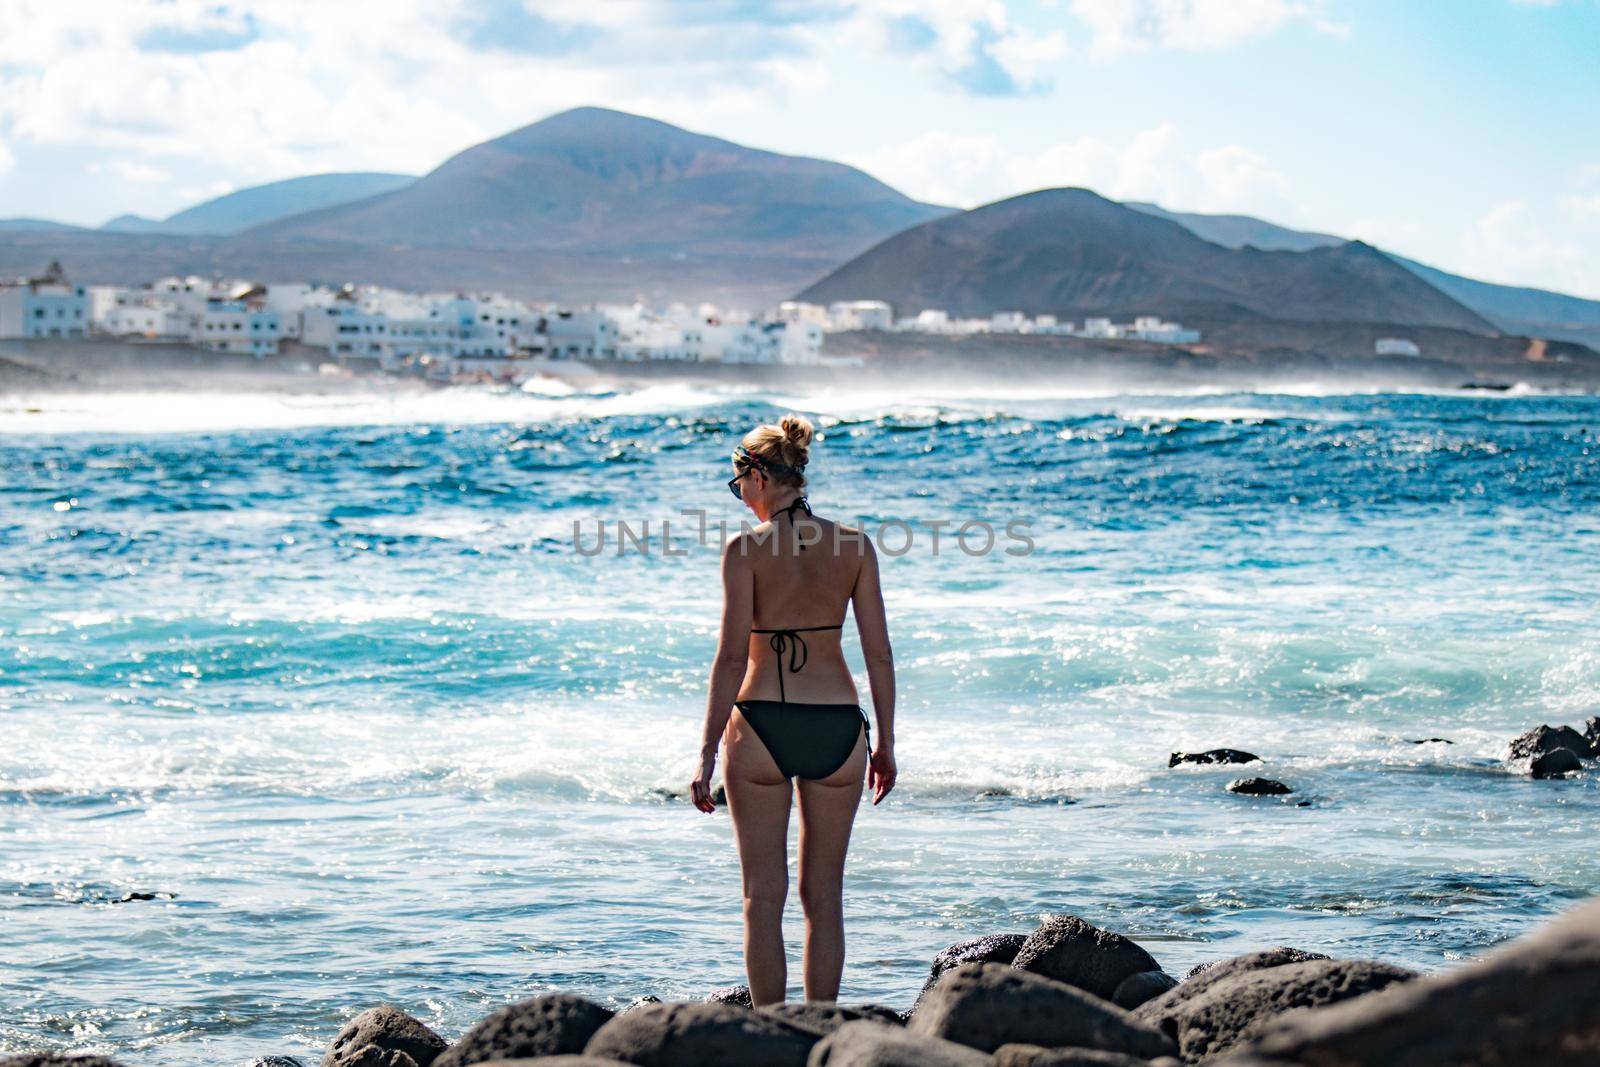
(749, 462)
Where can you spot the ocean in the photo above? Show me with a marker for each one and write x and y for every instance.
(337, 689)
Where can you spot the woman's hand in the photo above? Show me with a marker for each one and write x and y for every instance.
(700, 786)
(881, 772)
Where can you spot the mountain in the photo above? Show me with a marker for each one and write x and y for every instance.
(34, 225)
(1514, 309)
(1237, 231)
(132, 224)
(606, 182)
(261, 204)
(1073, 252)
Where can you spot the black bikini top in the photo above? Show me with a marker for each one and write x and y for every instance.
(788, 639)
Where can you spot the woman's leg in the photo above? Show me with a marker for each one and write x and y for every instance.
(827, 811)
(758, 800)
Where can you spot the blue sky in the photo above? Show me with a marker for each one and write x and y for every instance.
(1465, 133)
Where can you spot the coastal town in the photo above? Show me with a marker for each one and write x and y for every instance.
(483, 337)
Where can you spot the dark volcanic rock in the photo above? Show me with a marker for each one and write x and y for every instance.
(1591, 733)
(986, 1005)
(1136, 989)
(701, 1035)
(1555, 763)
(558, 1061)
(1066, 948)
(1430, 740)
(373, 1038)
(1258, 787)
(871, 1044)
(824, 1017)
(1037, 1056)
(51, 1059)
(733, 994)
(993, 948)
(1235, 1007)
(559, 1024)
(1213, 755)
(1542, 739)
(1249, 961)
(639, 1002)
(278, 1061)
(1534, 1001)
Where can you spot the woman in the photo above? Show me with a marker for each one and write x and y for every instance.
(784, 705)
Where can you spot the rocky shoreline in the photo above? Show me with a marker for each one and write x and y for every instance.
(1068, 994)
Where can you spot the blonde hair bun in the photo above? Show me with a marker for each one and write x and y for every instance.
(797, 429)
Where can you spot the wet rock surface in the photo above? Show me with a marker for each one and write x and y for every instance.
(986, 1005)
(384, 1036)
(700, 1035)
(1068, 949)
(1236, 1006)
(559, 1024)
(1213, 755)
(874, 1044)
(1258, 787)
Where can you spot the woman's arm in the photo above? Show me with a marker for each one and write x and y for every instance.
(727, 669)
(873, 625)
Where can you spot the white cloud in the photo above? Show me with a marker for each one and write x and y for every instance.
(1119, 26)
(1516, 244)
(1149, 165)
(131, 170)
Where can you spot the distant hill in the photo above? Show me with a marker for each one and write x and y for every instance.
(260, 204)
(34, 225)
(1529, 312)
(1073, 252)
(1237, 231)
(606, 182)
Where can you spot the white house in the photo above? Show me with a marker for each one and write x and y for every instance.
(248, 328)
(345, 330)
(48, 306)
(1396, 346)
(860, 315)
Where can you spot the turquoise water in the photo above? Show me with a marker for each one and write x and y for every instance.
(327, 676)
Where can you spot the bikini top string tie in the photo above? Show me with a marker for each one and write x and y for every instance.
(788, 640)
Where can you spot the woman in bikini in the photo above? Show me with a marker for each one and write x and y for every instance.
(784, 706)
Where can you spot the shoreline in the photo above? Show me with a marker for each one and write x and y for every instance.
(888, 361)
(1065, 994)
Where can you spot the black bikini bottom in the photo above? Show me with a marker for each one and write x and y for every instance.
(806, 740)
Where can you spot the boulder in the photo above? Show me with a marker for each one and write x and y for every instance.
(1213, 755)
(700, 1035)
(373, 1038)
(554, 1025)
(1533, 1001)
(1258, 787)
(1430, 740)
(1194, 984)
(1036, 1056)
(1066, 948)
(733, 994)
(986, 1005)
(1546, 738)
(557, 1061)
(1136, 989)
(1556, 763)
(873, 1044)
(56, 1059)
(992, 948)
(1591, 733)
(823, 1017)
(1236, 1007)
(277, 1061)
